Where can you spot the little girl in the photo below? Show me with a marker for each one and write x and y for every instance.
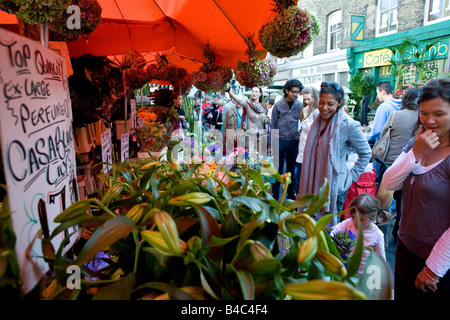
(369, 210)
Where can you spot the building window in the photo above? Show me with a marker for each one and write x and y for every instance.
(329, 77)
(387, 17)
(343, 78)
(334, 30)
(437, 10)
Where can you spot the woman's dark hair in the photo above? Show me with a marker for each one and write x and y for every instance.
(292, 83)
(410, 98)
(437, 88)
(261, 97)
(336, 90)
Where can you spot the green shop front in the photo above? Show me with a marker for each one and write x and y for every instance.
(374, 55)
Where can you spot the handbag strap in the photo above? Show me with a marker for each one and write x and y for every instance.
(392, 120)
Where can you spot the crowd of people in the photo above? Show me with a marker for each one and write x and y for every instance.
(313, 140)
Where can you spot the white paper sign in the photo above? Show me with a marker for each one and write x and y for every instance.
(37, 146)
(107, 155)
(133, 113)
(124, 146)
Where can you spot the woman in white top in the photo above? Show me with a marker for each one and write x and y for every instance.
(309, 111)
(422, 171)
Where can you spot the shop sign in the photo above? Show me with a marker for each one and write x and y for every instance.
(377, 58)
(37, 146)
(357, 28)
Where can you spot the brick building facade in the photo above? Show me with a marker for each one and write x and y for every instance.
(385, 24)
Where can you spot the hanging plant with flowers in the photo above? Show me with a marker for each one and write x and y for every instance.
(290, 31)
(90, 18)
(35, 11)
(257, 71)
(165, 71)
(133, 68)
(210, 77)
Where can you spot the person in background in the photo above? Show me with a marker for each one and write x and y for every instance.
(255, 117)
(270, 101)
(217, 115)
(177, 102)
(402, 131)
(206, 109)
(309, 111)
(285, 116)
(332, 136)
(369, 210)
(384, 110)
(387, 106)
(422, 171)
(232, 120)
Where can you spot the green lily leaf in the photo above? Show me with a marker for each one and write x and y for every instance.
(247, 284)
(120, 290)
(323, 222)
(320, 199)
(75, 210)
(209, 228)
(105, 236)
(355, 260)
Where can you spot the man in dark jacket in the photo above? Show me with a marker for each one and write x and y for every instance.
(284, 125)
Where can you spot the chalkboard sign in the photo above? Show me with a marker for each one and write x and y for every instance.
(37, 146)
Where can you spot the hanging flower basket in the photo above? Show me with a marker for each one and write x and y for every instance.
(165, 71)
(133, 68)
(35, 11)
(91, 16)
(289, 32)
(257, 71)
(210, 77)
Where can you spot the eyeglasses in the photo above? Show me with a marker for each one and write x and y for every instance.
(295, 91)
(334, 85)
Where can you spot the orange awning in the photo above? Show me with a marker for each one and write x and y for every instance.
(179, 27)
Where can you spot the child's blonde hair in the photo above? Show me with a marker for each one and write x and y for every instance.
(369, 206)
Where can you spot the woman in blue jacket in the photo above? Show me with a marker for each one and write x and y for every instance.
(332, 137)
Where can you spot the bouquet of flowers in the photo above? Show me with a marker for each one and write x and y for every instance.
(35, 11)
(344, 241)
(290, 31)
(257, 71)
(91, 16)
(210, 77)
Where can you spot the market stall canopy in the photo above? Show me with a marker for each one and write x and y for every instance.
(181, 26)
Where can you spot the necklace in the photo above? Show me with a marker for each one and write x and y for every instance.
(443, 145)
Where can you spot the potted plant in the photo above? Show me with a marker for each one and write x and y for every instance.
(198, 233)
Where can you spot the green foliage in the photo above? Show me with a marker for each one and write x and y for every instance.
(361, 84)
(198, 233)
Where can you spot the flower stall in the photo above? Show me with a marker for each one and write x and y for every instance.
(157, 228)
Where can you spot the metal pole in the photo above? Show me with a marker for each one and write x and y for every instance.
(44, 35)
